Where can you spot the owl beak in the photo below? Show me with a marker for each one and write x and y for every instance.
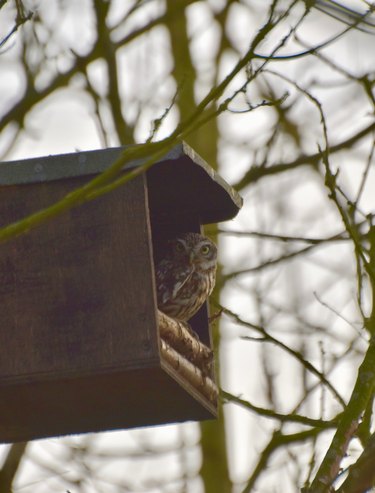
(191, 258)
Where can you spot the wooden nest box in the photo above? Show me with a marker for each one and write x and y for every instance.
(80, 348)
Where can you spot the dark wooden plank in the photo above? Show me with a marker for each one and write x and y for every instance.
(76, 293)
(111, 401)
(182, 179)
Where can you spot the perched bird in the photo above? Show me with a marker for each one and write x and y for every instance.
(185, 278)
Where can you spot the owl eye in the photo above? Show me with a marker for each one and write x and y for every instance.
(179, 247)
(205, 249)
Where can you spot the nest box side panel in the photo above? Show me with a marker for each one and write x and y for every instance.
(77, 292)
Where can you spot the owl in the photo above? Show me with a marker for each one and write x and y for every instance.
(186, 276)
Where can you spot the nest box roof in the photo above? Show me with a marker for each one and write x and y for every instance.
(180, 179)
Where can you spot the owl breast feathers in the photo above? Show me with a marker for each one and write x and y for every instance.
(186, 276)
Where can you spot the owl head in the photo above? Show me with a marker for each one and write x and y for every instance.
(194, 249)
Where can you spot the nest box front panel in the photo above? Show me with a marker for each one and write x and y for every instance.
(76, 292)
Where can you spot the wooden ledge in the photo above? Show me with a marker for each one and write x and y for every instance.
(187, 355)
(189, 372)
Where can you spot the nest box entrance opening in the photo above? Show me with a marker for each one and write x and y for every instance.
(80, 349)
